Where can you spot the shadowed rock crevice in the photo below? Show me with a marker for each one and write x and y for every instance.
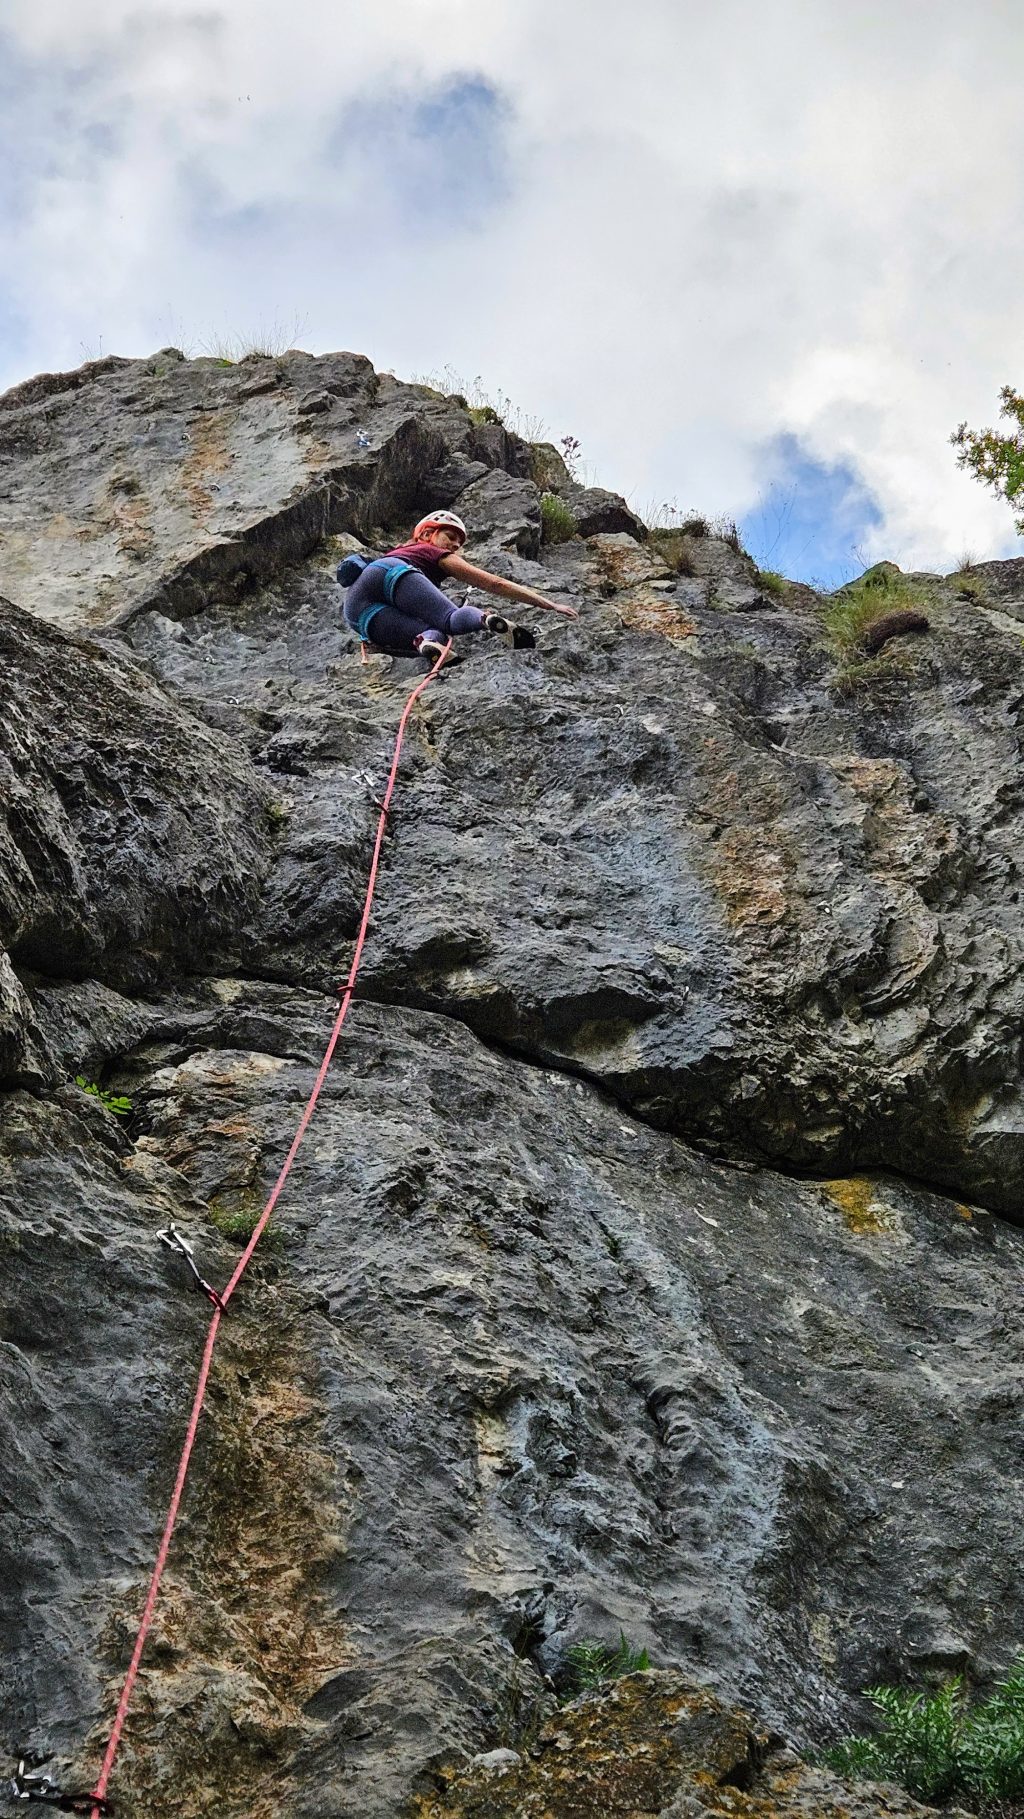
(121, 1042)
(133, 838)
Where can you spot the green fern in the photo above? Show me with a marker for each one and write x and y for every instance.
(593, 1664)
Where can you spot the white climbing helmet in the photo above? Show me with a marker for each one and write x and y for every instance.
(436, 521)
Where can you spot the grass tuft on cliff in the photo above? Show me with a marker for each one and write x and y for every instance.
(939, 1747)
(237, 1216)
(557, 522)
(969, 587)
(855, 608)
(772, 582)
(483, 406)
(675, 548)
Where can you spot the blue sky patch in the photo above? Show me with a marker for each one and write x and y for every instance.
(440, 161)
(813, 520)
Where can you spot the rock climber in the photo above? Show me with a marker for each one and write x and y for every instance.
(399, 594)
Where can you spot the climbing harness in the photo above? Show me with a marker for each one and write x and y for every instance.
(349, 571)
(30, 1787)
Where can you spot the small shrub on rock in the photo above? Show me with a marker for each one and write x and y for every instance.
(940, 1748)
(998, 461)
(557, 522)
(111, 1102)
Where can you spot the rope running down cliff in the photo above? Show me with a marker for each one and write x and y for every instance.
(221, 1301)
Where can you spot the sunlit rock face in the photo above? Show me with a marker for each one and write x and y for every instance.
(651, 1264)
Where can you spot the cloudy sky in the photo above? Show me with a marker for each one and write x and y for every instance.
(760, 257)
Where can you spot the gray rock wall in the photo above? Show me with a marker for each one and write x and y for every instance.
(653, 1261)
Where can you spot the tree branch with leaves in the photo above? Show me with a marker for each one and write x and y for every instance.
(998, 461)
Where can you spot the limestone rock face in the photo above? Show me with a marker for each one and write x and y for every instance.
(653, 1260)
(500, 510)
(675, 860)
(596, 510)
(132, 835)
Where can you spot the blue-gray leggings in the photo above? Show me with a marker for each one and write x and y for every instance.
(419, 607)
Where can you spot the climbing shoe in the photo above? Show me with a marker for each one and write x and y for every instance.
(429, 644)
(451, 661)
(517, 637)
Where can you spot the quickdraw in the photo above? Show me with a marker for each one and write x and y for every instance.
(29, 1784)
(175, 1242)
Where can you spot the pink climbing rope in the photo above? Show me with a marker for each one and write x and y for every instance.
(145, 1623)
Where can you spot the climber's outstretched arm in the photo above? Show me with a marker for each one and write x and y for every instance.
(456, 568)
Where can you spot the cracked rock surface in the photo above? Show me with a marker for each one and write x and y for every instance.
(652, 1262)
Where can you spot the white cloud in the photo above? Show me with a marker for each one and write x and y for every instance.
(695, 230)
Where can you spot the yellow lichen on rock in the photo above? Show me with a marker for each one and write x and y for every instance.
(857, 1200)
(620, 1752)
(651, 1743)
(244, 1634)
(652, 612)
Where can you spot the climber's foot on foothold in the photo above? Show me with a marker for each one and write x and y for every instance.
(430, 649)
(429, 644)
(517, 637)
